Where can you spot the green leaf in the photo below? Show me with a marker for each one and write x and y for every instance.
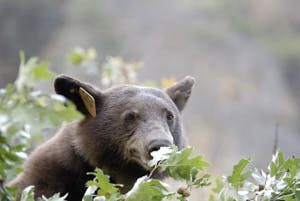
(102, 181)
(273, 169)
(69, 113)
(211, 198)
(237, 177)
(90, 191)
(219, 186)
(298, 192)
(76, 58)
(55, 197)
(180, 167)
(31, 71)
(280, 159)
(79, 55)
(162, 154)
(148, 190)
(88, 198)
(150, 84)
(9, 90)
(27, 194)
(203, 181)
(40, 72)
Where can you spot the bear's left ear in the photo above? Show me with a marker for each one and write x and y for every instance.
(181, 91)
(83, 95)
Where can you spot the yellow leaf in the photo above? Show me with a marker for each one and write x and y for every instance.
(166, 82)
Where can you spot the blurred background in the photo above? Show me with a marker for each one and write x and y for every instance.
(245, 56)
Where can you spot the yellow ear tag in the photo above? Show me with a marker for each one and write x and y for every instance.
(89, 101)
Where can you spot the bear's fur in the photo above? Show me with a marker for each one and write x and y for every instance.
(130, 122)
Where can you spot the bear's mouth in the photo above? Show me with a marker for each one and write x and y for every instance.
(142, 162)
(140, 159)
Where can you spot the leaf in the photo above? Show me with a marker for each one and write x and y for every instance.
(79, 55)
(27, 194)
(55, 197)
(180, 167)
(150, 84)
(88, 195)
(102, 181)
(76, 58)
(25, 77)
(298, 193)
(148, 190)
(166, 82)
(211, 198)
(237, 177)
(31, 71)
(69, 113)
(203, 181)
(280, 159)
(40, 72)
(9, 90)
(259, 176)
(273, 169)
(219, 186)
(162, 154)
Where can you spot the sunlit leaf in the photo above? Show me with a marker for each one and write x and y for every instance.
(28, 194)
(162, 154)
(237, 177)
(41, 72)
(165, 83)
(102, 182)
(180, 167)
(148, 190)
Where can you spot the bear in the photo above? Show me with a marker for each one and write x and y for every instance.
(122, 125)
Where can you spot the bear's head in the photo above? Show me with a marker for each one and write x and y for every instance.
(124, 124)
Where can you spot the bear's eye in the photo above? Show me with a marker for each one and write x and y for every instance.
(130, 116)
(170, 116)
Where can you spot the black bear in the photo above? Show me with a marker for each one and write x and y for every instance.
(122, 126)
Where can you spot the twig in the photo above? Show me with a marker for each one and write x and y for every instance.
(174, 165)
(276, 139)
(282, 196)
(153, 170)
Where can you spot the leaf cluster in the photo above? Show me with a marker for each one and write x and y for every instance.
(24, 113)
(28, 195)
(281, 182)
(178, 164)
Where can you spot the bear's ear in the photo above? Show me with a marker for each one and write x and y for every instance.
(181, 91)
(84, 96)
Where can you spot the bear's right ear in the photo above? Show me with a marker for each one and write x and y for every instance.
(84, 96)
(181, 91)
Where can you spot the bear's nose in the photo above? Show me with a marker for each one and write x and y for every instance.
(155, 145)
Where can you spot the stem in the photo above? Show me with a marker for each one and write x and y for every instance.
(275, 147)
(173, 165)
(281, 197)
(153, 170)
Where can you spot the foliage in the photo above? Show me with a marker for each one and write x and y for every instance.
(24, 113)
(281, 182)
(179, 166)
(102, 182)
(79, 56)
(148, 190)
(114, 71)
(28, 195)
